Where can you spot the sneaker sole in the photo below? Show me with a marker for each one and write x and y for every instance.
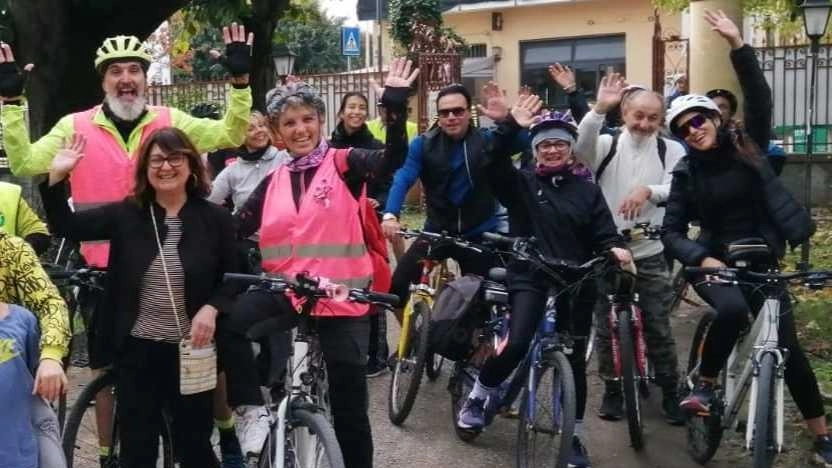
(378, 373)
(610, 417)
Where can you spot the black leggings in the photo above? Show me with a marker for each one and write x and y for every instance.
(528, 303)
(733, 305)
(344, 344)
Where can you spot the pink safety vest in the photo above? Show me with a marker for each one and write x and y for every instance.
(324, 237)
(106, 173)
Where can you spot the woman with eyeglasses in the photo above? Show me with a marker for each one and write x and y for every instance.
(169, 251)
(725, 184)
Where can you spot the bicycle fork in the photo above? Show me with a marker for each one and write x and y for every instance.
(779, 392)
(636, 322)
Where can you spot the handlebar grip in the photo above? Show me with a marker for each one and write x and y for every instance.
(60, 274)
(390, 299)
(707, 271)
(498, 238)
(242, 277)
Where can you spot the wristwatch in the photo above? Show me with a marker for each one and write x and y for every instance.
(389, 217)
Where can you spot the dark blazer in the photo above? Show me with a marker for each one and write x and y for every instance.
(206, 251)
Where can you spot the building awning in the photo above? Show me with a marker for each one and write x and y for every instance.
(480, 67)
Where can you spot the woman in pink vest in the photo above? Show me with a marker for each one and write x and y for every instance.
(307, 212)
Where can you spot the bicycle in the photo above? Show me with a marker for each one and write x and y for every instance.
(306, 401)
(756, 364)
(544, 379)
(412, 358)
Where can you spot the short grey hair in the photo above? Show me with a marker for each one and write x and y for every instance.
(293, 95)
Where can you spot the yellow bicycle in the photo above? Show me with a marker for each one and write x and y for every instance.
(412, 358)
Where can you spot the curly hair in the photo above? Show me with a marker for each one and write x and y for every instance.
(296, 94)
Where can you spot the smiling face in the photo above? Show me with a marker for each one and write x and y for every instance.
(643, 113)
(300, 129)
(553, 152)
(168, 173)
(124, 85)
(354, 113)
(257, 134)
(454, 117)
(698, 131)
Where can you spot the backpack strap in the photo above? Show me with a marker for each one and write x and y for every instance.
(662, 145)
(608, 157)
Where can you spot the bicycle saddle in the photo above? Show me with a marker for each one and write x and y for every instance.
(497, 274)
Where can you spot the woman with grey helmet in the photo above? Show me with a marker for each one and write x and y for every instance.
(725, 184)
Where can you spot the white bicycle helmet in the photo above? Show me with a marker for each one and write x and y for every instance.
(686, 103)
(122, 47)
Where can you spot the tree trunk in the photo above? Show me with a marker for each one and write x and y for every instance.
(265, 14)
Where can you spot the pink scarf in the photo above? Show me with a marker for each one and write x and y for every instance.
(313, 159)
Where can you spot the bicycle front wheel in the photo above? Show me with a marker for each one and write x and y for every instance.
(547, 416)
(630, 381)
(704, 431)
(764, 444)
(310, 443)
(407, 373)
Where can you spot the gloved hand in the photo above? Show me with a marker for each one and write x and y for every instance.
(12, 77)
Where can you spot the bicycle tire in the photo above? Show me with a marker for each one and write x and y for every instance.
(321, 430)
(629, 381)
(433, 369)
(76, 420)
(763, 445)
(399, 411)
(679, 286)
(704, 432)
(590, 340)
(559, 370)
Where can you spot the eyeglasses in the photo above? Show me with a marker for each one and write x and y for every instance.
(556, 145)
(173, 159)
(455, 111)
(697, 121)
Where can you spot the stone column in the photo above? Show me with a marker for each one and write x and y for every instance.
(710, 65)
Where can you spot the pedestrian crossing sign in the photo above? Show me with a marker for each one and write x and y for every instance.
(350, 41)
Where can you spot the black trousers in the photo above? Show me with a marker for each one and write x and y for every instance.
(409, 269)
(528, 303)
(733, 305)
(344, 344)
(148, 381)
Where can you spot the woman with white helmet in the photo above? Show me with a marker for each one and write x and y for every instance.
(725, 184)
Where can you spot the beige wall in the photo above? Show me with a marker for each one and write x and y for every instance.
(633, 18)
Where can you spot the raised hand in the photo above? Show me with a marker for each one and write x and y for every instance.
(67, 158)
(12, 79)
(609, 92)
(524, 90)
(400, 75)
(237, 52)
(722, 24)
(563, 76)
(525, 110)
(495, 107)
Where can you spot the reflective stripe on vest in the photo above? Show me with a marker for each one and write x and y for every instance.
(9, 204)
(106, 173)
(323, 237)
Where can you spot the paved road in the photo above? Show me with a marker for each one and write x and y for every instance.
(427, 439)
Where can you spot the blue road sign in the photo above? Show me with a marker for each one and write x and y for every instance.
(350, 41)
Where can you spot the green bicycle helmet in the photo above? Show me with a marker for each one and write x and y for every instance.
(121, 48)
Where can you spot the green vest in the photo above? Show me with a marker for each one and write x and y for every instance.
(9, 203)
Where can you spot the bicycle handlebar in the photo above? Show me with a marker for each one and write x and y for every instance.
(57, 272)
(308, 286)
(814, 279)
(435, 237)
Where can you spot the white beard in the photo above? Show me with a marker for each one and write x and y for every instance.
(128, 111)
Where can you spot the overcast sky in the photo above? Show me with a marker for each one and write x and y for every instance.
(341, 8)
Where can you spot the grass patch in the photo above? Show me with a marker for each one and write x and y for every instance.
(412, 217)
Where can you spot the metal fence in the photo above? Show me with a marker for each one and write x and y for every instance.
(787, 72)
(333, 87)
(184, 96)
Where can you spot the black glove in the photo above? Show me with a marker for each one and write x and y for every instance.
(12, 80)
(238, 58)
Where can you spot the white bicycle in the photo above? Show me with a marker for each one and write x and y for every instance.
(755, 367)
(301, 433)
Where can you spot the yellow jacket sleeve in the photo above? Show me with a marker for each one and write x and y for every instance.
(28, 222)
(36, 292)
(211, 135)
(27, 158)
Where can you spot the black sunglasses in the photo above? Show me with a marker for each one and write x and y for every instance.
(697, 121)
(455, 111)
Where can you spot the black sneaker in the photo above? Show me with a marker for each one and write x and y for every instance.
(823, 451)
(670, 407)
(580, 456)
(700, 399)
(375, 368)
(612, 406)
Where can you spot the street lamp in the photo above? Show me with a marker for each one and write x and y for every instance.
(284, 61)
(815, 18)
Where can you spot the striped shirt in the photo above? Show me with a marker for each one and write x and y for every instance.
(156, 320)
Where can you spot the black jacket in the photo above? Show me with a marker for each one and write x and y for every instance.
(379, 188)
(780, 216)
(758, 105)
(206, 251)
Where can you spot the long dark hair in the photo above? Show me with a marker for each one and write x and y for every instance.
(169, 140)
(353, 94)
(746, 149)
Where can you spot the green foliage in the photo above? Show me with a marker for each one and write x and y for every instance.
(405, 13)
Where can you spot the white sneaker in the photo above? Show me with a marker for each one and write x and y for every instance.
(252, 427)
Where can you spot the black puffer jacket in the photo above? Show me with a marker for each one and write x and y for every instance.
(780, 217)
(377, 189)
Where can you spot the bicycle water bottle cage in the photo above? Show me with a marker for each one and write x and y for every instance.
(748, 252)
